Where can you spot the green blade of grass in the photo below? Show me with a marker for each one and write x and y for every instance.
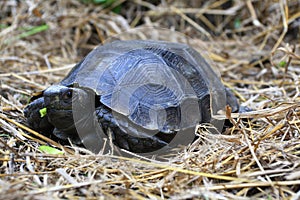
(33, 31)
(28, 32)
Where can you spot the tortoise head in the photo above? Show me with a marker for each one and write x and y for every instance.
(67, 107)
(58, 98)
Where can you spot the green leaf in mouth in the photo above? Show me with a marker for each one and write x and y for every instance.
(43, 112)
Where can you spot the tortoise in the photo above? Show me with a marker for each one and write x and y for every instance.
(141, 93)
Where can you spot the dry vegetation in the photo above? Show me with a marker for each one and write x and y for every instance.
(256, 47)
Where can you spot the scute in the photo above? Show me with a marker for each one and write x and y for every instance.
(155, 84)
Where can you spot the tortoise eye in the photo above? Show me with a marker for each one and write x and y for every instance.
(67, 95)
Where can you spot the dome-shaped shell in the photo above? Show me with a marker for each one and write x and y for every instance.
(157, 85)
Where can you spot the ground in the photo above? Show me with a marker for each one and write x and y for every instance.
(255, 46)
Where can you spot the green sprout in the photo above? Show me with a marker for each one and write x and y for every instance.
(237, 23)
(282, 64)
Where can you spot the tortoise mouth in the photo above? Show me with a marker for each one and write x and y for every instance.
(61, 119)
(57, 108)
(59, 114)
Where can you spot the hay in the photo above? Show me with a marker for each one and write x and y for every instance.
(255, 45)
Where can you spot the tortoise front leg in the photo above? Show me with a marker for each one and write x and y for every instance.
(125, 140)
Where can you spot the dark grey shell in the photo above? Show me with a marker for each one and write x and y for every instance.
(157, 85)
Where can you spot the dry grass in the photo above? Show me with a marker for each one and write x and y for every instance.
(256, 46)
